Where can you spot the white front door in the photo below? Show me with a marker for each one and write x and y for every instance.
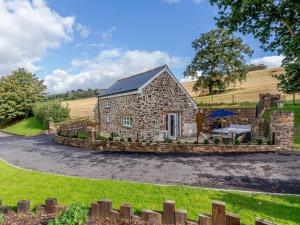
(173, 125)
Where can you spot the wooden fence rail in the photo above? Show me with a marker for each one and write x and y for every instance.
(170, 215)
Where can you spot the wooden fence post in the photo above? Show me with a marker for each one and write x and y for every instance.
(205, 219)
(218, 213)
(169, 212)
(126, 211)
(50, 204)
(95, 209)
(105, 208)
(114, 215)
(180, 217)
(232, 219)
(40, 210)
(151, 217)
(23, 207)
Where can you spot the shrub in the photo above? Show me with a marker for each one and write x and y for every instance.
(196, 142)
(75, 215)
(143, 140)
(169, 141)
(129, 139)
(82, 135)
(110, 138)
(122, 140)
(101, 138)
(259, 141)
(206, 142)
(178, 142)
(51, 111)
(217, 141)
(269, 142)
(1, 218)
(237, 142)
(226, 141)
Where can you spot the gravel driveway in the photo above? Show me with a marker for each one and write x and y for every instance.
(271, 172)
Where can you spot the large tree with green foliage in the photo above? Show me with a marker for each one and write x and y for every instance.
(18, 94)
(220, 58)
(276, 23)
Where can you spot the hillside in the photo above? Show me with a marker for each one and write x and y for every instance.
(81, 107)
(260, 81)
(257, 82)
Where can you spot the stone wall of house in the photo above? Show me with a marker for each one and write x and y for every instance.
(282, 129)
(148, 109)
(116, 146)
(244, 116)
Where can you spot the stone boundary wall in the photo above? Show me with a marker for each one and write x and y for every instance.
(170, 214)
(245, 116)
(116, 146)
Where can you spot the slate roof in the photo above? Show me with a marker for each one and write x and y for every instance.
(132, 83)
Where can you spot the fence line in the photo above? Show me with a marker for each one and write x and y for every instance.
(170, 214)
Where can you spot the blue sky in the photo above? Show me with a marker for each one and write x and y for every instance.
(90, 44)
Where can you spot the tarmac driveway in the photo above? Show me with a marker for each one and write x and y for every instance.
(271, 172)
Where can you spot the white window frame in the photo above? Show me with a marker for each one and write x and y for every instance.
(127, 121)
(107, 105)
(107, 118)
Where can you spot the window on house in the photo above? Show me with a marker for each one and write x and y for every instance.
(107, 118)
(107, 104)
(127, 121)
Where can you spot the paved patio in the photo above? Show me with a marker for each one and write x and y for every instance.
(271, 172)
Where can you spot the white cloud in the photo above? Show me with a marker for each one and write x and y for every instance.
(269, 61)
(83, 30)
(189, 79)
(107, 67)
(107, 35)
(28, 29)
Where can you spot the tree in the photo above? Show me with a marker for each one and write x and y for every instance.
(276, 23)
(289, 82)
(51, 111)
(18, 94)
(220, 59)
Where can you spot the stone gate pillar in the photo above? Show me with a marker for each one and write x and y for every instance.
(282, 129)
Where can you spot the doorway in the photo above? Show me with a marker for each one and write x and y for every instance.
(173, 125)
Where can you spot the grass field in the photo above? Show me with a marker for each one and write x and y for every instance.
(245, 94)
(261, 81)
(27, 127)
(19, 184)
(81, 107)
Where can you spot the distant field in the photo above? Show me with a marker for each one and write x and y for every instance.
(82, 107)
(261, 81)
(244, 95)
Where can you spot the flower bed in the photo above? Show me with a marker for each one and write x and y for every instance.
(122, 146)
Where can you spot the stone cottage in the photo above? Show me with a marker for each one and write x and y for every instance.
(151, 105)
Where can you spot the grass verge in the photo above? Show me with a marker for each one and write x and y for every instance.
(19, 184)
(26, 127)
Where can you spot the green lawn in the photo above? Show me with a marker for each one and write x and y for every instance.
(19, 184)
(27, 127)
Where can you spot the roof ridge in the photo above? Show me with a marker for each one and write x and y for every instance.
(165, 65)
